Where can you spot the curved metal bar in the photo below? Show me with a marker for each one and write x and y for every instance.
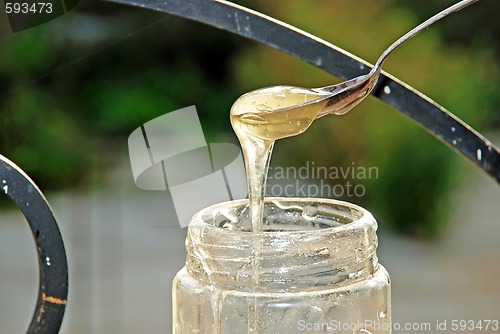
(53, 267)
(256, 26)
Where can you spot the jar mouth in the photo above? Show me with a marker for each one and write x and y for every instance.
(305, 244)
(284, 215)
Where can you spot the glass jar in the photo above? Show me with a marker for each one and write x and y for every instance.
(312, 269)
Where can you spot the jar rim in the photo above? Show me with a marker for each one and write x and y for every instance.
(290, 259)
(359, 216)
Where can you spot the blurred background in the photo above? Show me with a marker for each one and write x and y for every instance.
(73, 89)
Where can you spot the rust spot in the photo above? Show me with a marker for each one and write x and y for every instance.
(53, 300)
(42, 311)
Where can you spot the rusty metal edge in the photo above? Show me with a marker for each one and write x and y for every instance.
(313, 50)
(51, 254)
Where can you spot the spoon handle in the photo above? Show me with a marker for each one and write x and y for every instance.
(350, 93)
(454, 8)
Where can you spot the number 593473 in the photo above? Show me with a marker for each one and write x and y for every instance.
(26, 8)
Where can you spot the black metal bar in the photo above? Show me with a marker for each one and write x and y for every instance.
(53, 267)
(256, 26)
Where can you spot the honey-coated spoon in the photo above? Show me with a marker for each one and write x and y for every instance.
(282, 111)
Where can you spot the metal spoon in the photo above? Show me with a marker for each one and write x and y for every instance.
(348, 94)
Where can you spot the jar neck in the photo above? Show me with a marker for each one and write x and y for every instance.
(306, 245)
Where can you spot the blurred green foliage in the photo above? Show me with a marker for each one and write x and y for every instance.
(74, 85)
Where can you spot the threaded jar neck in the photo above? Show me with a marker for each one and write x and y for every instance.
(305, 245)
